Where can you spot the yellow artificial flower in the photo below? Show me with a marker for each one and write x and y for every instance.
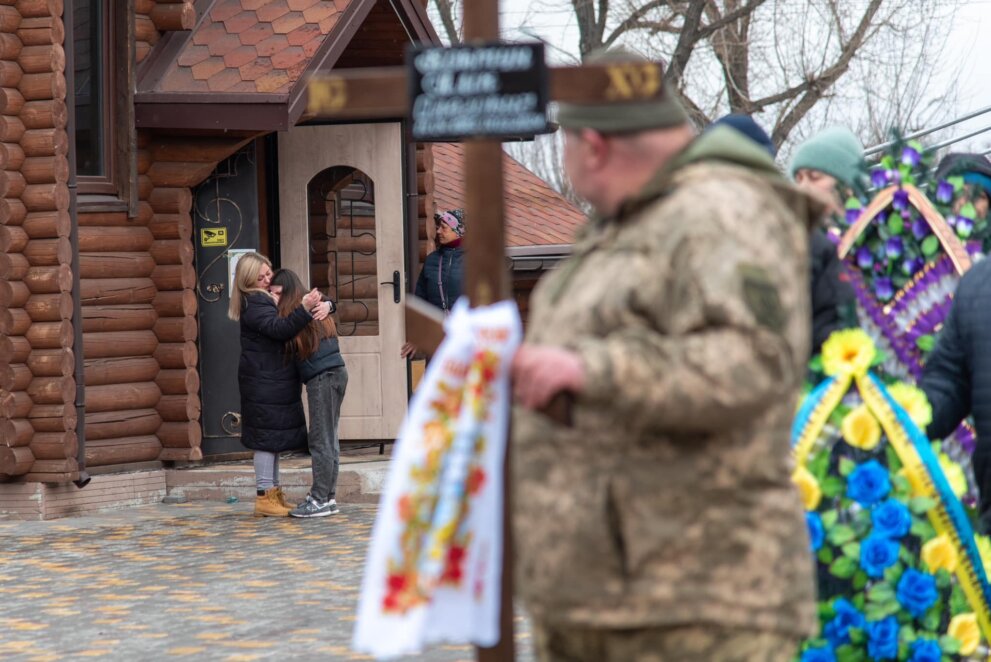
(964, 629)
(984, 549)
(914, 402)
(918, 487)
(939, 553)
(847, 352)
(808, 488)
(860, 429)
(954, 475)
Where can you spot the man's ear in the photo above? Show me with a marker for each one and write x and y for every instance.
(596, 149)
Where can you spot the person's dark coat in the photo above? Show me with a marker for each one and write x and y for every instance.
(830, 293)
(441, 277)
(957, 375)
(271, 405)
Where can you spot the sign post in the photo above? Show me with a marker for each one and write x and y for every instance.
(478, 93)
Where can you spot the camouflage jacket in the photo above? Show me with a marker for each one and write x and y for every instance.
(668, 501)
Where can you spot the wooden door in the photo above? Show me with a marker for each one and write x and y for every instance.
(341, 229)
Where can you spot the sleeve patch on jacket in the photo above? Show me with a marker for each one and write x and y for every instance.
(761, 296)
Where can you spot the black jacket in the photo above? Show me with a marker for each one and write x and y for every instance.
(830, 293)
(441, 276)
(957, 375)
(271, 407)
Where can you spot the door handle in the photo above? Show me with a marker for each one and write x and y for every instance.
(396, 286)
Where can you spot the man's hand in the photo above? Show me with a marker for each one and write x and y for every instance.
(408, 350)
(541, 372)
(321, 311)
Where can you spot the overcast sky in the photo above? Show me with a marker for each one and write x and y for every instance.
(966, 53)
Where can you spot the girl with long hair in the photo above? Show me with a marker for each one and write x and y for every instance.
(272, 418)
(318, 359)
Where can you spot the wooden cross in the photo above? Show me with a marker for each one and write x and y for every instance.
(383, 93)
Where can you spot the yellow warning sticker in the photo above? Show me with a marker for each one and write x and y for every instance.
(213, 237)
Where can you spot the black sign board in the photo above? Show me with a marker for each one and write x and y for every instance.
(488, 91)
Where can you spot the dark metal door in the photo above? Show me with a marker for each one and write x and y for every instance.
(225, 219)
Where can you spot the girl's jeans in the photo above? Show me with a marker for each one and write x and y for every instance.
(324, 394)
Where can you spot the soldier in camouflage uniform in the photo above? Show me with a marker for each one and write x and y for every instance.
(661, 524)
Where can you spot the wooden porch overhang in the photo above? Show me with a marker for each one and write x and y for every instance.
(245, 67)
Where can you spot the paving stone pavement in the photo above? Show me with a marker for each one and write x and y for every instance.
(204, 581)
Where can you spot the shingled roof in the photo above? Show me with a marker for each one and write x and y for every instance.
(536, 214)
(244, 65)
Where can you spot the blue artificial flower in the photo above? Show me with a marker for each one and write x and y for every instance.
(894, 247)
(865, 259)
(944, 191)
(964, 226)
(837, 631)
(920, 228)
(877, 554)
(911, 157)
(882, 639)
(816, 531)
(891, 519)
(925, 650)
(884, 289)
(869, 483)
(900, 201)
(821, 654)
(916, 591)
(880, 178)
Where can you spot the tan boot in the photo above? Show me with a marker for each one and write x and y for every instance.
(282, 499)
(269, 506)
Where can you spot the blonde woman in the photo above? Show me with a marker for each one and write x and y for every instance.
(271, 407)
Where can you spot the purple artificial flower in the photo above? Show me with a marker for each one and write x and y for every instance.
(900, 201)
(920, 228)
(880, 178)
(911, 157)
(865, 259)
(944, 191)
(894, 247)
(884, 289)
(912, 265)
(852, 215)
(964, 227)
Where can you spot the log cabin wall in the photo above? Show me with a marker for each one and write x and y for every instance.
(137, 275)
(37, 419)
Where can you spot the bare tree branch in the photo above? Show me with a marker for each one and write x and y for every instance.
(634, 20)
(741, 13)
(819, 85)
(446, 10)
(686, 41)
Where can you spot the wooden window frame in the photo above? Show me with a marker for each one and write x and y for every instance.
(116, 189)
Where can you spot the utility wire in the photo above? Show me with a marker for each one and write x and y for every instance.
(871, 151)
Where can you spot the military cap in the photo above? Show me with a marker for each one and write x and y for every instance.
(662, 111)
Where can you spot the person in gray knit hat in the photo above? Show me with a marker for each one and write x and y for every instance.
(662, 524)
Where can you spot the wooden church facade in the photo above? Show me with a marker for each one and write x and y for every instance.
(115, 154)
(130, 212)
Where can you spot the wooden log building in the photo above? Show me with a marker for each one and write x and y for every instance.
(145, 142)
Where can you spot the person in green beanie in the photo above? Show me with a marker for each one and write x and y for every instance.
(830, 162)
(662, 524)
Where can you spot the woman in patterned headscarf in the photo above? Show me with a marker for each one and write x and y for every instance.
(441, 277)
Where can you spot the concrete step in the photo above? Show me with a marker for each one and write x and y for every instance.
(357, 482)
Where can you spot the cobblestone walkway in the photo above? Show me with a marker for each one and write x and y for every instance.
(201, 581)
